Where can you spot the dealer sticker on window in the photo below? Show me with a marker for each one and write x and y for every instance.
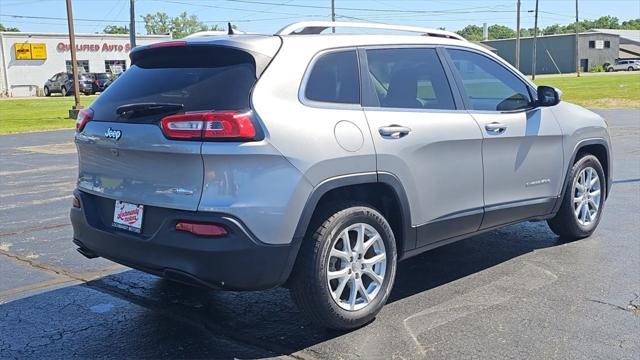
(128, 216)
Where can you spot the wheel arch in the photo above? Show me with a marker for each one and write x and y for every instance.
(600, 149)
(382, 190)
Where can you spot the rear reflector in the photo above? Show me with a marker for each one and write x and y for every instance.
(201, 229)
(84, 116)
(228, 125)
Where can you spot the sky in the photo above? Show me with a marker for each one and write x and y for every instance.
(267, 16)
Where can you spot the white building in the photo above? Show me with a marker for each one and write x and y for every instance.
(28, 59)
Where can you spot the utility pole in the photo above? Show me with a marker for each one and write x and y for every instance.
(333, 14)
(73, 112)
(577, 44)
(535, 40)
(132, 24)
(518, 35)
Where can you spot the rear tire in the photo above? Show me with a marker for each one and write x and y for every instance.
(630, 68)
(367, 264)
(64, 92)
(583, 200)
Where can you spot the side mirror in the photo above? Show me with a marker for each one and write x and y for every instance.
(548, 96)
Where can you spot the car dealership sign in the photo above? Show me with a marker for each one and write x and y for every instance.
(104, 47)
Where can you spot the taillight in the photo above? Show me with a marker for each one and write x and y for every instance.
(167, 44)
(84, 116)
(201, 229)
(223, 125)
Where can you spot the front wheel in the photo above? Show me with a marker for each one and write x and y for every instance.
(630, 68)
(346, 269)
(610, 69)
(583, 200)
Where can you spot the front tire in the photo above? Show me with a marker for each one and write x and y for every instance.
(46, 91)
(583, 200)
(346, 269)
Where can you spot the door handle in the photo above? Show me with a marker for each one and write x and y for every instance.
(394, 131)
(495, 127)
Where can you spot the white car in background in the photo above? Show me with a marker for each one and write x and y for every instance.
(622, 65)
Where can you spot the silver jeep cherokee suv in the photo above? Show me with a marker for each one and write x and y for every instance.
(318, 161)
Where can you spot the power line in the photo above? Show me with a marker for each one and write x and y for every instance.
(142, 22)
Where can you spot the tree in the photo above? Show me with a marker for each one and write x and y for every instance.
(501, 32)
(633, 24)
(552, 29)
(179, 26)
(115, 29)
(471, 33)
(11, 29)
(184, 24)
(158, 23)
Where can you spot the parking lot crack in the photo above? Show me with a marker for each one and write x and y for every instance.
(48, 227)
(632, 306)
(44, 267)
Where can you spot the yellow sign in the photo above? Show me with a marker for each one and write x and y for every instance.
(23, 51)
(31, 51)
(38, 51)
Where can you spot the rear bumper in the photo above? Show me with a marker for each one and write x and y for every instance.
(238, 261)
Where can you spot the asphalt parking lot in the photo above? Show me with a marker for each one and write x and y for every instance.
(517, 292)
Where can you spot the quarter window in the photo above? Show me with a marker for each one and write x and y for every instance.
(409, 78)
(335, 79)
(489, 85)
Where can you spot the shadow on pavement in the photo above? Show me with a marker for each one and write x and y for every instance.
(135, 315)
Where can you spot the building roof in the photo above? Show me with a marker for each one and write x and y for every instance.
(629, 51)
(633, 35)
(540, 36)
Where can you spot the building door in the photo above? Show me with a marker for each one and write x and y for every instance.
(584, 65)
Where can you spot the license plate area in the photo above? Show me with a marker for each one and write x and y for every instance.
(128, 216)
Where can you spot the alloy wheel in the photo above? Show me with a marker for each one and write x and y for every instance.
(356, 266)
(586, 196)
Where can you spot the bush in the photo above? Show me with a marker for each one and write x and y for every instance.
(597, 68)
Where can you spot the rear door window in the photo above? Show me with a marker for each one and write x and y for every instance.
(335, 79)
(410, 78)
(200, 78)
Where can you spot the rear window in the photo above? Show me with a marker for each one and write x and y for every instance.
(198, 77)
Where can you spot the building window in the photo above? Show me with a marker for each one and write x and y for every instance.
(607, 44)
(115, 67)
(592, 44)
(83, 66)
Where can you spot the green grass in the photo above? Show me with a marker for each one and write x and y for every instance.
(38, 114)
(615, 91)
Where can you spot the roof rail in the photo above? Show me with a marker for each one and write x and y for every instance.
(316, 27)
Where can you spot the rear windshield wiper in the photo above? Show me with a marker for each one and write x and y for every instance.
(141, 109)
